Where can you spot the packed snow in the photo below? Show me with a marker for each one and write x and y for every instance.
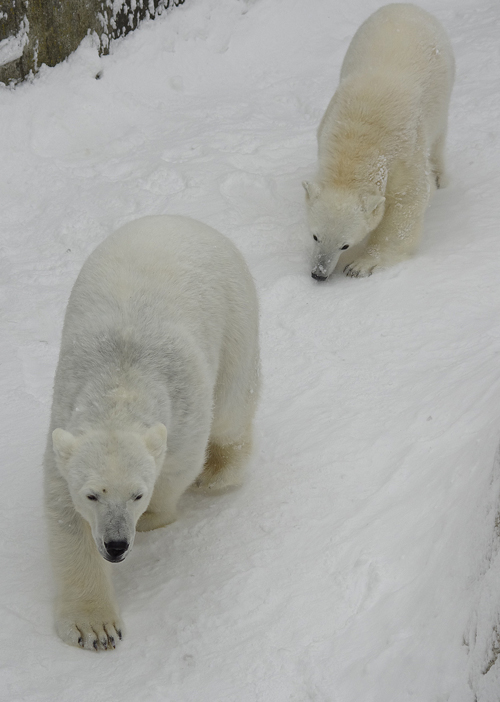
(360, 561)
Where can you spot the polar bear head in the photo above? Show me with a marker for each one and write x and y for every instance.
(338, 218)
(111, 476)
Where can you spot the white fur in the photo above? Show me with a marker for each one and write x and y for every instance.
(381, 141)
(156, 388)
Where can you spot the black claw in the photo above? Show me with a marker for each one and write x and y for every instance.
(119, 634)
(80, 642)
(111, 641)
(95, 644)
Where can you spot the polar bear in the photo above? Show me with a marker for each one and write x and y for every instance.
(381, 141)
(155, 389)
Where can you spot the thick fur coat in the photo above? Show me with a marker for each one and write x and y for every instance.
(155, 390)
(381, 142)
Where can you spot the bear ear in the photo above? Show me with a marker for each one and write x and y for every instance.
(156, 440)
(63, 443)
(369, 203)
(312, 189)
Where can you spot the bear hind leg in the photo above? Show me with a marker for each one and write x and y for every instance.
(437, 161)
(173, 482)
(224, 465)
(236, 394)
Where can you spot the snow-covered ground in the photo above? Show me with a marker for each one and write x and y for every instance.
(359, 563)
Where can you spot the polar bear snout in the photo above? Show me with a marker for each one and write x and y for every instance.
(116, 551)
(323, 267)
(324, 260)
(114, 534)
(319, 273)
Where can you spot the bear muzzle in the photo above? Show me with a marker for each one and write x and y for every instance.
(115, 551)
(318, 274)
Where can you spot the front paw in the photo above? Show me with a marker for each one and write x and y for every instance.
(360, 267)
(91, 626)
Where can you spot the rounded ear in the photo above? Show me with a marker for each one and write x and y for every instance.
(156, 440)
(64, 443)
(312, 188)
(370, 202)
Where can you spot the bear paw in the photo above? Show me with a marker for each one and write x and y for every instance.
(93, 628)
(148, 521)
(223, 466)
(225, 480)
(360, 267)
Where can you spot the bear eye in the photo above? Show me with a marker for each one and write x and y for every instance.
(137, 497)
(343, 248)
(92, 497)
(315, 237)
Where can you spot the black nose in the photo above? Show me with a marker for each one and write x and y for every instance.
(116, 549)
(317, 276)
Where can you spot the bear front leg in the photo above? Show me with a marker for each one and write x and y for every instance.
(86, 614)
(396, 237)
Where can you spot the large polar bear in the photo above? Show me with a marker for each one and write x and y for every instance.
(381, 141)
(156, 388)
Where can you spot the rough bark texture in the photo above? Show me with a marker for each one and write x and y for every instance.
(34, 32)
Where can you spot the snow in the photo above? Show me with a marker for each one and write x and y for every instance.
(360, 562)
(12, 48)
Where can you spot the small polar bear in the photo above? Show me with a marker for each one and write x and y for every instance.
(381, 142)
(156, 388)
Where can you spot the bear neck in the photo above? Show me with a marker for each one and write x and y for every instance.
(120, 400)
(351, 169)
(362, 137)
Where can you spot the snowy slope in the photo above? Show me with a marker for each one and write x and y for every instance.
(359, 563)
